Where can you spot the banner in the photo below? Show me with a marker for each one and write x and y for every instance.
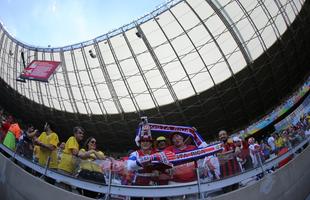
(168, 157)
(39, 70)
(294, 117)
(188, 131)
(276, 113)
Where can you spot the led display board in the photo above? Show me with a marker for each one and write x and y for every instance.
(39, 70)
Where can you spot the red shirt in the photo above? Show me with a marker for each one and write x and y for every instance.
(143, 180)
(230, 167)
(228, 146)
(185, 172)
(5, 127)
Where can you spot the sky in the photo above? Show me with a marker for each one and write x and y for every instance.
(63, 22)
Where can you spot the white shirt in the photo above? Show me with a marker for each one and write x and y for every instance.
(271, 143)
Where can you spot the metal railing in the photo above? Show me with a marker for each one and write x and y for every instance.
(199, 187)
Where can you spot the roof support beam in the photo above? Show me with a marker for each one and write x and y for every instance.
(119, 67)
(38, 85)
(108, 80)
(176, 54)
(234, 32)
(205, 65)
(47, 89)
(162, 72)
(67, 81)
(283, 13)
(80, 84)
(9, 64)
(225, 60)
(93, 85)
(15, 65)
(149, 89)
(250, 20)
(3, 64)
(262, 42)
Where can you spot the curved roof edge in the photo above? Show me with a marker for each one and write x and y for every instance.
(160, 9)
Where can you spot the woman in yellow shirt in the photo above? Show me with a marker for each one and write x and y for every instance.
(89, 155)
(89, 169)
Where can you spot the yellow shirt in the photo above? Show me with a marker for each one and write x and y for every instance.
(68, 161)
(90, 163)
(279, 142)
(36, 151)
(44, 153)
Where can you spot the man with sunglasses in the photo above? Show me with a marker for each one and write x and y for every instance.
(68, 160)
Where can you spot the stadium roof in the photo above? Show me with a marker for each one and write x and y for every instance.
(204, 63)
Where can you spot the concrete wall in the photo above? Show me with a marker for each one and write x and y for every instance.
(291, 182)
(17, 184)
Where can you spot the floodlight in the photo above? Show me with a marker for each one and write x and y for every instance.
(92, 55)
(138, 34)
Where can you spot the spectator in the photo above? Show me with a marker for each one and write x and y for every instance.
(89, 169)
(2, 120)
(26, 144)
(255, 152)
(60, 150)
(211, 168)
(161, 143)
(279, 142)
(228, 161)
(6, 123)
(48, 141)
(271, 143)
(139, 161)
(286, 139)
(304, 122)
(12, 136)
(266, 149)
(178, 143)
(89, 153)
(242, 153)
(163, 175)
(293, 138)
(68, 160)
(229, 164)
(185, 172)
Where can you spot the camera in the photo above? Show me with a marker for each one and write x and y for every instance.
(144, 119)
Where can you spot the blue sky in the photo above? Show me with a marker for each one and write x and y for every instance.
(63, 22)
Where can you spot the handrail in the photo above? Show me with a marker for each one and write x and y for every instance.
(153, 191)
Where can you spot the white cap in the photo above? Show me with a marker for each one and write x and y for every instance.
(236, 139)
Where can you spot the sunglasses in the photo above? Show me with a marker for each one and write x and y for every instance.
(93, 142)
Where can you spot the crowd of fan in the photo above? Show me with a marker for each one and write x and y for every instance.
(87, 162)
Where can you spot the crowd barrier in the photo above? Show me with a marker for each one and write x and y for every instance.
(113, 187)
